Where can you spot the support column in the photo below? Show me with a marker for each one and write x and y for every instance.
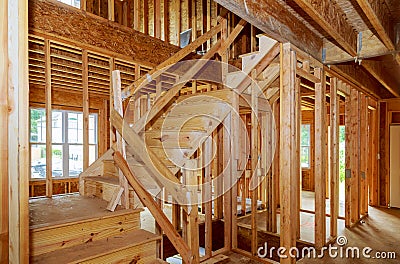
(320, 159)
(334, 152)
(288, 153)
(49, 174)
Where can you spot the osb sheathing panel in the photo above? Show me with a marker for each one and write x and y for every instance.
(60, 20)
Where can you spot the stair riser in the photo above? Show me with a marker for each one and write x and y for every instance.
(49, 239)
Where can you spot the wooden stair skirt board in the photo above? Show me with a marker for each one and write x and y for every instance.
(137, 246)
(103, 187)
(50, 238)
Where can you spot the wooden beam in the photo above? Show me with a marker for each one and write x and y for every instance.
(85, 104)
(154, 209)
(157, 19)
(49, 123)
(166, 20)
(207, 157)
(334, 156)
(320, 159)
(136, 15)
(288, 200)
(18, 127)
(146, 17)
(333, 20)
(379, 16)
(111, 15)
(117, 103)
(4, 187)
(178, 25)
(262, 14)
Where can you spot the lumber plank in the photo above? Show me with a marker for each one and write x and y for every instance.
(334, 156)
(320, 159)
(49, 123)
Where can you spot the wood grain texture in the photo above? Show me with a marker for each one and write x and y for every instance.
(277, 22)
(62, 21)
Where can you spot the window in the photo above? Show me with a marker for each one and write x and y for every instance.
(305, 146)
(75, 3)
(67, 143)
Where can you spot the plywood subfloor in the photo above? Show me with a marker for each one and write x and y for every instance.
(66, 208)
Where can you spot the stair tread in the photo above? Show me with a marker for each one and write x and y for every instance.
(68, 209)
(97, 248)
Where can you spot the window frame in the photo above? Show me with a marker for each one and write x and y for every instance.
(65, 145)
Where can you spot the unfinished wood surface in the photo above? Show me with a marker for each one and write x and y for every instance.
(18, 127)
(49, 123)
(159, 216)
(135, 246)
(103, 34)
(363, 155)
(116, 79)
(85, 103)
(288, 200)
(320, 159)
(355, 158)
(334, 156)
(227, 181)
(4, 132)
(349, 153)
(263, 15)
(207, 157)
(254, 163)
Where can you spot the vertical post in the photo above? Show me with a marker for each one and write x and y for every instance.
(235, 160)
(177, 21)
(207, 153)
(276, 166)
(334, 168)
(355, 157)
(157, 19)
(208, 21)
(4, 190)
(296, 142)
(192, 231)
(227, 181)
(112, 67)
(288, 201)
(146, 17)
(116, 78)
(166, 19)
(111, 15)
(49, 165)
(363, 154)
(253, 42)
(18, 127)
(320, 159)
(83, 5)
(136, 15)
(85, 104)
(194, 20)
(158, 229)
(349, 153)
(254, 162)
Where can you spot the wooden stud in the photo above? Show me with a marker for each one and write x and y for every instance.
(349, 153)
(85, 104)
(18, 127)
(320, 159)
(363, 203)
(355, 158)
(194, 19)
(288, 108)
(334, 155)
(166, 19)
(208, 195)
(4, 182)
(208, 24)
(254, 164)
(136, 15)
(157, 19)
(227, 181)
(146, 17)
(296, 142)
(178, 26)
(111, 15)
(49, 123)
(83, 5)
(123, 183)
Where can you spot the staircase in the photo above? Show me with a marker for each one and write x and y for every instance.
(76, 229)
